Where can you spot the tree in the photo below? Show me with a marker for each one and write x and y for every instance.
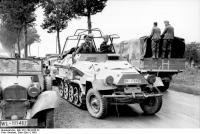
(18, 15)
(57, 14)
(88, 8)
(32, 37)
(192, 52)
(9, 38)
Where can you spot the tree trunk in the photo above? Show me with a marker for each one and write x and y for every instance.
(25, 42)
(58, 39)
(18, 45)
(29, 49)
(89, 22)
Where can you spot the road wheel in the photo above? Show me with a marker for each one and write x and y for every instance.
(76, 95)
(50, 118)
(66, 91)
(71, 93)
(96, 105)
(61, 87)
(151, 105)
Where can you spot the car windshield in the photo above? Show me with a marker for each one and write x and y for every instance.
(8, 66)
(20, 66)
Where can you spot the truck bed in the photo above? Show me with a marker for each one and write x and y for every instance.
(160, 65)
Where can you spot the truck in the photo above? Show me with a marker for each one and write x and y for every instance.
(99, 79)
(138, 52)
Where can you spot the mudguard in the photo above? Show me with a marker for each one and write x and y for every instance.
(46, 100)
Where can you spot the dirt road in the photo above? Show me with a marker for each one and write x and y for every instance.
(179, 110)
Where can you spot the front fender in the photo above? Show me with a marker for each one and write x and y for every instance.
(46, 100)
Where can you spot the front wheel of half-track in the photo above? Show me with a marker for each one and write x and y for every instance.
(96, 105)
(152, 105)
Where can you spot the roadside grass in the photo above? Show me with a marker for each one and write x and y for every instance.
(187, 81)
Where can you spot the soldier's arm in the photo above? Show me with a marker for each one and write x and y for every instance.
(165, 30)
(151, 35)
(78, 50)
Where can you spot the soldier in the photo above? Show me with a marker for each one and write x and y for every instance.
(87, 46)
(155, 40)
(104, 47)
(168, 37)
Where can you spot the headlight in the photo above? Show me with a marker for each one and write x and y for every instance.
(151, 79)
(109, 80)
(55, 71)
(34, 90)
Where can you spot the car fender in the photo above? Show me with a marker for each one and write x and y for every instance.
(46, 100)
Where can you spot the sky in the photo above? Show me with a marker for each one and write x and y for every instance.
(130, 19)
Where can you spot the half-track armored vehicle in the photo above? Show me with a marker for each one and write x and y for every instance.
(102, 78)
(25, 100)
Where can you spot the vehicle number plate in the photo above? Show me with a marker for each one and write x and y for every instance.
(129, 81)
(13, 123)
(18, 123)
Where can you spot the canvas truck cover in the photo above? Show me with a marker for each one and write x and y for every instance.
(138, 52)
(136, 49)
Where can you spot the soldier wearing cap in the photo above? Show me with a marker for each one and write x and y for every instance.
(155, 40)
(168, 37)
(87, 46)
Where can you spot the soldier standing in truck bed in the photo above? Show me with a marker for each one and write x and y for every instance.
(168, 37)
(155, 40)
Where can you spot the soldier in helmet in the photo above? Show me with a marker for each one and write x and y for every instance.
(168, 37)
(155, 40)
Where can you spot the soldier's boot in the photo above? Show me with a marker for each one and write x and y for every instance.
(153, 53)
(157, 55)
(153, 56)
(163, 55)
(169, 55)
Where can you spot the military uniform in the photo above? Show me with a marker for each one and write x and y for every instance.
(104, 48)
(155, 41)
(87, 47)
(168, 37)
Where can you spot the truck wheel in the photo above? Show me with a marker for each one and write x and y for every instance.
(151, 105)
(61, 88)
(50, 118)
(96, 105)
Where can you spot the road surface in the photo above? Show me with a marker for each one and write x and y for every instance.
(179, 110)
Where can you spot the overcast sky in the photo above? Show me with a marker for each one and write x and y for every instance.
(131, 19)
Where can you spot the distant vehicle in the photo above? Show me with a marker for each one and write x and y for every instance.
(50, 59)
(138, 53)
(98, 79)
(26, 98)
